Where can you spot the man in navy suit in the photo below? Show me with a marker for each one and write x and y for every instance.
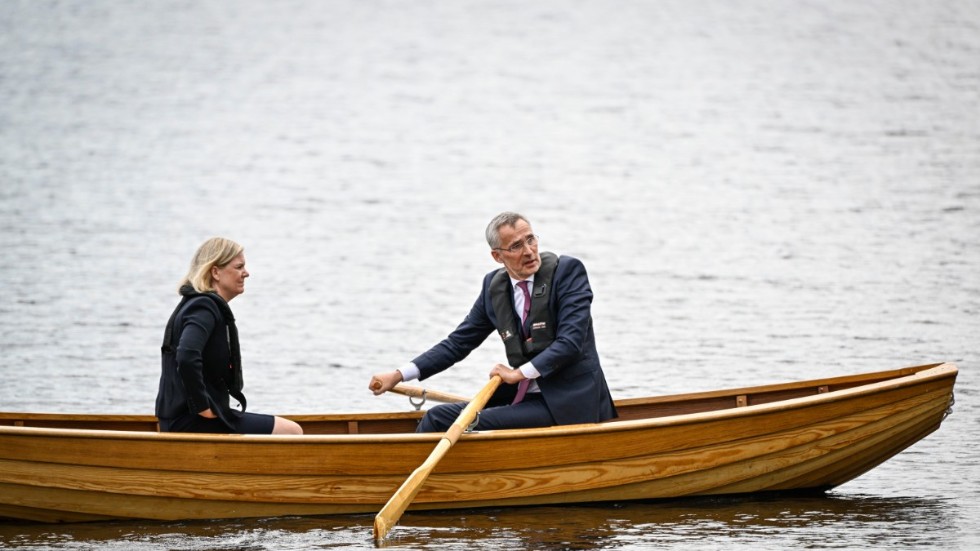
(540, 306)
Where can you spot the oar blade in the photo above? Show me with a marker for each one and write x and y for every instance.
(387, 518)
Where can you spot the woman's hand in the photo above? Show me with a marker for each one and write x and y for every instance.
(207, 413)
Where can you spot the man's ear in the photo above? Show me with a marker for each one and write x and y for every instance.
(496, 256)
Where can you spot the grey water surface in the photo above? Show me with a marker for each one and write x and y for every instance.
(762, 191)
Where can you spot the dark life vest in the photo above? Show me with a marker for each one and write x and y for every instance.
(540, 321)
(233, 378)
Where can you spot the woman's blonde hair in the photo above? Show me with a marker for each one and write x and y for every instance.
(216, 251)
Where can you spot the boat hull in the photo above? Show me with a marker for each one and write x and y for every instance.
(833, 431)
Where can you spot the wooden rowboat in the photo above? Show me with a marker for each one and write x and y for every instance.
(796, 437)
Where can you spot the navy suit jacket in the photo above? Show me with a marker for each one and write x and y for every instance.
(572, 382)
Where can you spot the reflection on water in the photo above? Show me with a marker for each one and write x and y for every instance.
(716, 522)
(774, 522)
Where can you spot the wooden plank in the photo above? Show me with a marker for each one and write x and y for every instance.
(721, 467)
(306, 454)
(388, 423)
(821, 436)
(327, 470)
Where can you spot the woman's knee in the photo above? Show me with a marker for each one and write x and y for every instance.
(285, 426)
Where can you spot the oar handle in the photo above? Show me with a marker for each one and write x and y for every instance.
(428, 394)
(402, 498)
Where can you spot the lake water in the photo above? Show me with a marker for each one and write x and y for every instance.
(761, 192)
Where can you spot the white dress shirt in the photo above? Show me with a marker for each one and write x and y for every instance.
(410, 371)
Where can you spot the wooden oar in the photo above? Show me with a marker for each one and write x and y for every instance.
(419, 392)
(388, 517)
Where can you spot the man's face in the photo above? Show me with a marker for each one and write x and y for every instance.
(524, 261)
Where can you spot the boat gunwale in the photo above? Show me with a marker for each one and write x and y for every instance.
(893, 379)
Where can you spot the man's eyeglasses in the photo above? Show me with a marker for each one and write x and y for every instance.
(529, 241)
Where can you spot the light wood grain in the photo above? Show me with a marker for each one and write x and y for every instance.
(787, 437)
(399, 502)
(428, 394)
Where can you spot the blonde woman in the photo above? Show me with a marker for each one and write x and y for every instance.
(202, 364)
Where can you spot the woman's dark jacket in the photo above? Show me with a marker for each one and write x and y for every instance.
(201, 365)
